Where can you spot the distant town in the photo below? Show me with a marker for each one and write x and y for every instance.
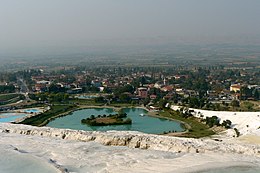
(210, 88)
(130, 86)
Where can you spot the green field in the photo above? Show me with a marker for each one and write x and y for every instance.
(6, 97)
(196, 129)
(44, 118)
(10, 98)
(90, 102)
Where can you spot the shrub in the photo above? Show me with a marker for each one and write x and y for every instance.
(128, 121)
(237, 132)
(227, 124)
(211, 121)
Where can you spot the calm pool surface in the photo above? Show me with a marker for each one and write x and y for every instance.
(32, 110)
(145, 124)
(11, 117)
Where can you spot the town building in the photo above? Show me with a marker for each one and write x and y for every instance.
(235, 88)
(142, 93)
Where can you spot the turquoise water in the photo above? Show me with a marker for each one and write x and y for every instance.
(11, 117)
(237, 169)
(32, 111)
(145, 124)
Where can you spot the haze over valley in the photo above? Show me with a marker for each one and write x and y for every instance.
(130, 86)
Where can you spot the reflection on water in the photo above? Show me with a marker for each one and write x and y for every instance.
(162, 119)
(97, 109)
(145, 124)
(109, 111)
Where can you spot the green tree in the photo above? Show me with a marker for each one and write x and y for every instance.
(146, 101)
(256, 94)
(99, 100)
(212, 121)
(227, 124)
(235, 103)
(162, 103)
(124, 98)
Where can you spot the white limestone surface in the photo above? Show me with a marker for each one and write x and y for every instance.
(247, 123)
(92, 157)
(64, 150)
(14, 161)
(137, 140)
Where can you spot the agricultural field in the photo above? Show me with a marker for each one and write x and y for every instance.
(10, 98)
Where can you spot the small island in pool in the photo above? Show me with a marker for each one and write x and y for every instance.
(105, 120)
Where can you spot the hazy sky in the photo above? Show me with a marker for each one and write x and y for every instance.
(32, 23)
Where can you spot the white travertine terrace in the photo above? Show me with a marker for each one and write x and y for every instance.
(247, 123)
(138, 140)
(125, 151)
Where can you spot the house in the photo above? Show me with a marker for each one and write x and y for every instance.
(167, 88)
(154, 108)
(153, 96)
(158, 85)
(142, 93)
(180, 76)
(235, 96)
(43, 82)
(235, 88)
(40, 87)
(75, 91)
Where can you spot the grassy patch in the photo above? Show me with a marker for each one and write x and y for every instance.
(89, 102)
(196, 129)
(6, 97)
(44, 118)
(9, 98)
(124, 105)
(250, 105)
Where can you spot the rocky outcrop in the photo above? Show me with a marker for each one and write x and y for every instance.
(136, 140)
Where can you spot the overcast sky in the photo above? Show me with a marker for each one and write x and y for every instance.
(32, 23)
